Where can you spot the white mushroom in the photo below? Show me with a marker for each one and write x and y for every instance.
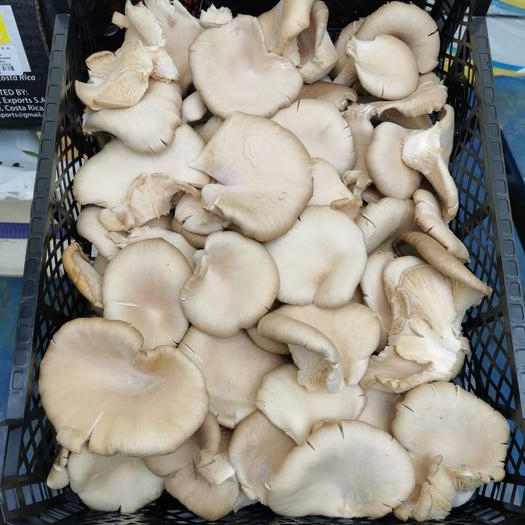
(194, 218)
(98, 386)
(345, 469)
(358, 118)
(193, 108)
(264, 82)
(58, 477)
(322, 130)
(338, 95)
(380, 408)
(320, 259)
(142, 286)
(270, 345)
(208, 129)
(213, 16)
(344, 71)
(92, 230)
(232, 386)
(329, 189)
(262, 193)
(214, 298)
(296, 411)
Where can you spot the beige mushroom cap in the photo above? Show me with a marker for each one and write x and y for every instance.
(214, 298)
(391, 176)
(193, 108)
(99, 386)
(329, 189)
(320, 260)
(322, 130)
(58, 477)
(433, 414)
(409, 23)
(385, 66)
(80, 270)
(340, 96)
(195, 218)
(93, 230)
(260, 192)
(112, 483)
(274, 347)
(264, 82)
(344, 71)
(232, 386)
(213, 16)
(358, 118)
(296, 411)
(147, 127)
(142, 286)
(385, 220)
(257, 450)
(380, 408)
(346, 469)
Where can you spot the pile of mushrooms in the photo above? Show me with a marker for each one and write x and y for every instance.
(278, 295)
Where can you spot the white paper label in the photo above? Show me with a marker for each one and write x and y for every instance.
(13, 58)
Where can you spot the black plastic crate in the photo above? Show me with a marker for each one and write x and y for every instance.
(494, 371)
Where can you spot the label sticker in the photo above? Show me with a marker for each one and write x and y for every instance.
(13, 58)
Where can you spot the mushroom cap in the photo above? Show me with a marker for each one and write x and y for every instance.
(92, 229)
(429, 219)
(232, 386)
(257, 450)
(142, 286)
(442, 419)
(80, 270)
(274, 347)
(395, 116)
(320, 259)
(345, 35)
(295, 410)
(193, 107)
(409, 23)
(195, 218)
(214, 298)
(385, 220)
(336, 94)
(213, 16)
(391, 176)
(58, 477)
(105, 178)
(261, 193)
(265, 82)
(143, 22)
(346, 469)
(98, 385)
(208, 129)
(429, 96)
(385, 66)
(380, 408)
(193, 239)
(329, 189)
(358, 118)
(146, 127)
(112, 483)
(321, 129)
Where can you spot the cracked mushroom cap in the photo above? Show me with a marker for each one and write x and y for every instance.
(257, 450)
(345, 469)
(327, 344)
(385, 66)
(93, 230)
(110, 483)
(385, 220)
(296, 411)
(232, 385)
(105, 178)
(98, 386)
(429, 219)
(214, 298)
(146, 127)
(142, 286)
(391, 176)
(261, 193)
(329, 189)
(320, 259)
(264, 82)
(430, 414)
(409, 23)
(321, 129)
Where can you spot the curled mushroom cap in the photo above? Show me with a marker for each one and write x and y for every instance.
(385, 66)
(391, 176)
(322, 130)
(142, 286)
(92, 229)
(385, 220)
(214, 298)
(430, 414)
(329, 189)
(257, 449)
(429, 219)
(261, 193)
(345, 469)
(338, 95)
(409, 23)
(326, 344)
(194, 218)
(232, 386)
(274, 347)
(320, 260)
(98, 385)
(112, 483)
(344, 71)
(193, 107)
(264, 81)
(358, 118)
(147, 127)
(105, 178)
(58, 476)
(80, 270)
(295, 411)
(380, 408)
